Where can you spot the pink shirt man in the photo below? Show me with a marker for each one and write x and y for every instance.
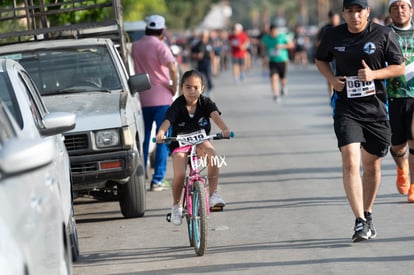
(154, 62)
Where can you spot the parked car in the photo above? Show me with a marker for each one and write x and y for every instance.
(33, 232)
(21, 96)
(11, 256)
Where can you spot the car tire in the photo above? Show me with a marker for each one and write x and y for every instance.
(73, 236)
(132, 194)
(67, 253)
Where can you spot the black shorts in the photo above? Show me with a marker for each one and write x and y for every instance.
(238, 61)
(401, 116)
(374, 136)
(277, 68)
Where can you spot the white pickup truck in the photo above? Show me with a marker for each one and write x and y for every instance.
(81, 68)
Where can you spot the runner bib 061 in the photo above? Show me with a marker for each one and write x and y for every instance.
(356, 88)
(191, 138)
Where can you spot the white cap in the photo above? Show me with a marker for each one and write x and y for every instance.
(155, 22)
(405, 1)
(238, 27)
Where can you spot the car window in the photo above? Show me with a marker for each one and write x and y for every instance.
(6, 129)
(8, 96)
(56, 71)
(36, 106)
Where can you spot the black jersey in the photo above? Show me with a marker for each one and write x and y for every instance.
(182, 122)
(378, 46)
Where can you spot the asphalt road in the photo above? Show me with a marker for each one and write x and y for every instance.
(286, 210)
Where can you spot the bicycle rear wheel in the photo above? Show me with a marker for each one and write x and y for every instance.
(199, 218)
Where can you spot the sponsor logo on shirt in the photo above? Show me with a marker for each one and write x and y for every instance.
(340, 49)
(203, 122)
(369, 48)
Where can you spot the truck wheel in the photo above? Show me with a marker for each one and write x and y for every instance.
(132, 195)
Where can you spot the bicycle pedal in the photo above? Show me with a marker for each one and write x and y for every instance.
(216, 208)
(168, 217)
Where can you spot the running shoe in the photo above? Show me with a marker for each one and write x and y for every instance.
(157, 186)
(216, 200)
(411, 193)
(402, 181)
(362, 231)
(368, 218)
(177, 214)
(242, 76)
(277, 99)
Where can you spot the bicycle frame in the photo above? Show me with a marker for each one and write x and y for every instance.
(193, 176)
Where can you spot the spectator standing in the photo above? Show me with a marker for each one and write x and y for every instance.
(239, 42)
(334, 20)
(218, 52)
(276, 46)
(224, 36)
(366, 53)
(260, 51)
(203, 53)
(301, 46)
(152, 56)
(401, 98)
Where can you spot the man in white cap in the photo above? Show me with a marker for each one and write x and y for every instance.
(401, 98)
(151, 55)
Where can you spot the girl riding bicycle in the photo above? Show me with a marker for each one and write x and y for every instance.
(189, 113)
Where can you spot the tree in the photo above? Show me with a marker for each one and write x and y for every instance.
(137, 10)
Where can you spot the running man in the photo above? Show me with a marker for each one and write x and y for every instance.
(361, 49)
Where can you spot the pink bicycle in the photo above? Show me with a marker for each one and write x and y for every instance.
(195, 198)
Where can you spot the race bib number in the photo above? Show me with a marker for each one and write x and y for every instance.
(356, 88)
(191, 138)
(274, 53)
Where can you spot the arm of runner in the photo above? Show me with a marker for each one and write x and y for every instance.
(366, 74)
(338, 82)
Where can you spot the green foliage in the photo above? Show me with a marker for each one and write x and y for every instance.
(186, 14)
(180, 14)
(134, 10)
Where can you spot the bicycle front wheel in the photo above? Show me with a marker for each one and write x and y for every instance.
(199, 218)
(190, 230)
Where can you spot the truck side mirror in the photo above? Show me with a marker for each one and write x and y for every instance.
(139, 82)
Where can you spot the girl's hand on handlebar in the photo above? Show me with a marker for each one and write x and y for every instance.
(226, 133)
(160, 137)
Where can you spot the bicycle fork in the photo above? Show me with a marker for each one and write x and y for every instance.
(189, 197)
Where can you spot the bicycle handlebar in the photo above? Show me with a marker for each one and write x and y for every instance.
(213, 136)
(220, 136)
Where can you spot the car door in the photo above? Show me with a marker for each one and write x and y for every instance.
(29, 199)
(61, 164)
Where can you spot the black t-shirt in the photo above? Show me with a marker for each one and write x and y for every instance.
(323, 30)
(378, 46)
(205, 48)
(183, 123)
